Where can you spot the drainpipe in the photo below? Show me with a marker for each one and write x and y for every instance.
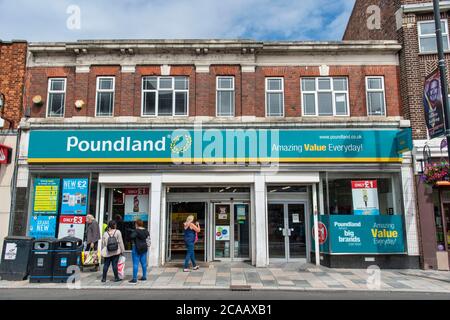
(12, 213)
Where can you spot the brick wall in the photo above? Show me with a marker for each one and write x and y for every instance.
(357, 28)
(249, 88)
(12, 75)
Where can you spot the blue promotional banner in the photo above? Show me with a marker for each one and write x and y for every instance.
(74, 196)
(46, 195)
(215, 146)
(42, 226)
(349, 234)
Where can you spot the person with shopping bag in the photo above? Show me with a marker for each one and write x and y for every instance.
(92, 233)
(141, 241)
(112, 250)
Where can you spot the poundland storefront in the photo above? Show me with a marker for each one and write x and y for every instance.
(257, 193)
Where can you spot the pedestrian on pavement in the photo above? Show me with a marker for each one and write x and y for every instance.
(92, 233)
(113, 248)
(140, 239)
(190, 231)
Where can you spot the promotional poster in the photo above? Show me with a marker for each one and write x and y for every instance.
(433, 106)
(72, 226)
(365, 197)
(46, 193)
(42, 226)
(74, 199)
(136, 204)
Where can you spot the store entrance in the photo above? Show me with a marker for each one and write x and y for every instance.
(178, 212)
(125, 205)
(287, 231)
(232, 231)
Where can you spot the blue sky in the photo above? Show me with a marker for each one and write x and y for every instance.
(58, 20)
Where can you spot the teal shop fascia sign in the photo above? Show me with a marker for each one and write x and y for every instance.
(214, 146)
(349, 234)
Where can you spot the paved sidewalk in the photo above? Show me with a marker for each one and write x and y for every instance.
(286, 276)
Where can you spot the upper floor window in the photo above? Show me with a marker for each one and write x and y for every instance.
(376, 103)
(274, 97)
(225, 97)
(56, 97)
(427, 36)
(325, 96)
(105, 96)
(165, 96)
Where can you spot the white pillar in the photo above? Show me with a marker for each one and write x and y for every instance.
(409, 203)
(316, 225)
(101, 211)
(155, 220)
(262, 248)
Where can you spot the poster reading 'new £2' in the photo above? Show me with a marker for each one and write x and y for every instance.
(74, 198)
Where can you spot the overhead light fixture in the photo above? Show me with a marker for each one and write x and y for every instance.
(285, 188)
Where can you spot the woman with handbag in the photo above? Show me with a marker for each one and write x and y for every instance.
(112, 249)
(190, 234)
(140, 238)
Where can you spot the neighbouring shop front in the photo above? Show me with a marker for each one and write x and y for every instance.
(254, 192)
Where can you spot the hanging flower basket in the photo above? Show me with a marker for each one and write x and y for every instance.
(436, 172)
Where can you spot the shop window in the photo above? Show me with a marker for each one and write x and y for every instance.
(427, 36)
(165, 96)
(325, 96)
(345, 196)
(376, 103)
(440, 233)
(225, 97)
(56, 97)
(274, 97)
(105, 97)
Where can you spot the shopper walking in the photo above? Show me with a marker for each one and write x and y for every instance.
(92, 233)
(140, 238)
(113, 248)
(190, 231)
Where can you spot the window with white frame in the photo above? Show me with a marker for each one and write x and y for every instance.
(2, 123)
(165, 96)
(427, 36)
(376, 101)
(105, 96)
(56, 97)
(225, 97)
(274, 97)
(325, 96)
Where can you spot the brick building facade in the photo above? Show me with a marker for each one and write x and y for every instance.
(411, 22)
(12, 75)
(307, 119)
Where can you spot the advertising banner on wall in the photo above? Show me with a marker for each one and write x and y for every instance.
(365, 197)
(42, 226)
(72, 226)
(433, 106)
(349, 234)
(74, 196)
(46, 194)
(136, 204)
(214, 146)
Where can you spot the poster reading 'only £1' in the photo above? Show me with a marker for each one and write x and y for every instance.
(365, 198)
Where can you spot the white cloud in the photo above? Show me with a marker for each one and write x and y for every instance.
(45, 20)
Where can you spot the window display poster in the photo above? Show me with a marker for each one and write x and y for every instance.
(223, 233)
(74, 198)
(46, 193)
(72, 226)
(136, 204)
(241, 213)
(365, 198)
(42, 226)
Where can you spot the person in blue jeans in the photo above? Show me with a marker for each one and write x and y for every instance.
(190, 231)
(139, 251)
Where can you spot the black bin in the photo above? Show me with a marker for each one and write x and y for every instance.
(15, 265)
(42, 251)
(67, 253)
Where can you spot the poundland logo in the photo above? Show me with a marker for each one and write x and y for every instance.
(123, 144)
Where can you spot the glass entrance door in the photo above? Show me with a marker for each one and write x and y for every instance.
(287, 231)
(231, 231)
